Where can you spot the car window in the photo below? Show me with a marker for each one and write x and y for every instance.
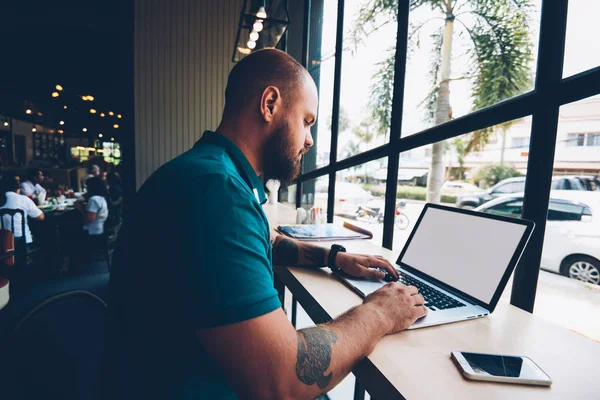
(558, 184)
(560, 210)
(510, 187)
(592, 184)
(511, 208)
(576, 184)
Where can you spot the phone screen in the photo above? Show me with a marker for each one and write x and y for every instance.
(507, 366)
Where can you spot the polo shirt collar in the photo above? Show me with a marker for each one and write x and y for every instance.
(239, 159)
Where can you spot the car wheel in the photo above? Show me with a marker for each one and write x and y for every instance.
(582, 268)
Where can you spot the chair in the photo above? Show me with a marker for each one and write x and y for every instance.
(56, 350)
(20, 244)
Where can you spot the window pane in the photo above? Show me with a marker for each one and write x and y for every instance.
(314, 194)
(582, 48)
(367, 76)
(571, 250)
(321, 67)
(465, 178)
(477, 68)
(288, 195)
(564, 211)
(360, 196)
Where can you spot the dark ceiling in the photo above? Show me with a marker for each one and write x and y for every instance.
(85, 46)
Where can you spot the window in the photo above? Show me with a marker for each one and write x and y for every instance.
(287, 195)
(510, 187)
(321, 67)
(112, 152)
(314, 194)
(564, 211)
(475, 153)
(367, 77)
(582, 49)
(360, 196)
(466, 171)
(520, 142)
(440, 88)
(584, 139)
(510, 208)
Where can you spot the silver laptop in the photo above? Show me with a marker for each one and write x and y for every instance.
(460, 261)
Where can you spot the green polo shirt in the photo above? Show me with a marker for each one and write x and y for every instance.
(194, 253)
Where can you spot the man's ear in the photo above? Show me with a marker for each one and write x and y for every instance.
(270, 103)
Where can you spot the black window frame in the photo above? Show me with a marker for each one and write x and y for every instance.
(550, 92)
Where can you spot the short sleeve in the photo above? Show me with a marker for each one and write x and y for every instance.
(228, 274)
(31, 209)
(94, 204)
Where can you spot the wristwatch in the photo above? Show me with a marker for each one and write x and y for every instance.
(336, 248)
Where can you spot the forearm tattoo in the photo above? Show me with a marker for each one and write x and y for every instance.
(315, 254)
(314, 356)
(285, 252)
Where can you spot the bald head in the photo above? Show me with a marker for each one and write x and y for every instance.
(263, 68)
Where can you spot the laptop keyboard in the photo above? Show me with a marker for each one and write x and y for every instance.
(434, 299)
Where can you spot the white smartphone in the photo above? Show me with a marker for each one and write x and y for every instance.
(500, 368)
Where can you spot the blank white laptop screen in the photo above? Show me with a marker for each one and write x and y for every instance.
(466, 252)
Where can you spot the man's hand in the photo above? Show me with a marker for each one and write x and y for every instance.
(361, 265)
(399, 305)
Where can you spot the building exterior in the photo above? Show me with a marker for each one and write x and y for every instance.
(577, 145)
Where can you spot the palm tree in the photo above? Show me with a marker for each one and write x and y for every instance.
(365, 132)
(500, 50)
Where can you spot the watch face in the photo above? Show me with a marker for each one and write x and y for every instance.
(338, 247)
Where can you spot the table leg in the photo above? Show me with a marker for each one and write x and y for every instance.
(359, 391)
(294, 310)
(280, 287)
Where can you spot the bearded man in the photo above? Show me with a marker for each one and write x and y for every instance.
(193, 312)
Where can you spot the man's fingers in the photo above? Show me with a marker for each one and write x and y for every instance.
(418, 299)
(384, 264)
(412, 290)
(420, 311)
(371, 273)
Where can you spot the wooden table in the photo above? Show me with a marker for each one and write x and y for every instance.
(416, 364)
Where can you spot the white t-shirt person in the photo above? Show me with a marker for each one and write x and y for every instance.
(16, 201)
(30, 190)
(98, 205)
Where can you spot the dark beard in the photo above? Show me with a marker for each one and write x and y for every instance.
(280, 160)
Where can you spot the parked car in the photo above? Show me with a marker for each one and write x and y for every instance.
(456, 188)
(572, 238)
(516, 185)
(348, 197)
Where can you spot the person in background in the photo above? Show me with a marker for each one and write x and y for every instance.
(115, 186)
(32, 186)
(10, 198)
(51, 186)
(93, 171)
(95, 210)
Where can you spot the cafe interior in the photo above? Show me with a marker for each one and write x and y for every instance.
(95, 97)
